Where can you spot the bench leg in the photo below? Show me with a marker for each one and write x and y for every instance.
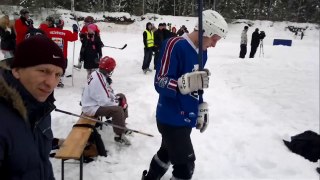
(62, 169)
(81, 167)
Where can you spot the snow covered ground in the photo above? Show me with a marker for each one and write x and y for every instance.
(254, 104)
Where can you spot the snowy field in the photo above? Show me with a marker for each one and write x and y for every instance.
(254, 104)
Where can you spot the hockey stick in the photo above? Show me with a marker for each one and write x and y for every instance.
(74, 45)
(117, 47)
(105, 123)
(200, 36)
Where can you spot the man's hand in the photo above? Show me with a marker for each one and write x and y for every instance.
(203, 117)
(193, 81)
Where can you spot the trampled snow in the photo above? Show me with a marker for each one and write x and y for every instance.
(254, 104)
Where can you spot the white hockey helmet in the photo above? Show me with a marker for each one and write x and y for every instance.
(213, 23)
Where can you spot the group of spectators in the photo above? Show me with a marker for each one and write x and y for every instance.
(152, 40)
(13, 32)
(256, 39)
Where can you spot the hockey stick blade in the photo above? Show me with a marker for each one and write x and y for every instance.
(124, 46)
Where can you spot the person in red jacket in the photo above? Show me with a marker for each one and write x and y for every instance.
(83, 34)
(22, 25)
(60, 36)
(87, 21)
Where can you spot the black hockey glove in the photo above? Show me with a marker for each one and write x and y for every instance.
(75, 28)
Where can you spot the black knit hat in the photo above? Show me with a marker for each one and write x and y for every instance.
(38, 50)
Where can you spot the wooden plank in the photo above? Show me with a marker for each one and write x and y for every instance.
(76, 141)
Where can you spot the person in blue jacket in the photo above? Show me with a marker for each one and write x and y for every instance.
(26, 101)
(179, 109)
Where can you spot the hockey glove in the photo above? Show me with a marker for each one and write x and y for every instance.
(203, 117)
(122, 101)
(75, 28)
(193, 81)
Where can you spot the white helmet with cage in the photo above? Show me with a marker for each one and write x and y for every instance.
(213, 23)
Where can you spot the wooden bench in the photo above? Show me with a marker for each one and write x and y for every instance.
(74, 144)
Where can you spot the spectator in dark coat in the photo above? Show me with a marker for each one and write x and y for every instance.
(158, 38)
(302, 34)
(166, 32)
(8, 37)
(26, 101)
(255, 40)
(91, 50)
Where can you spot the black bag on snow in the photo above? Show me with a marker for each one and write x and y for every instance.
(95, 145)
(306, 144)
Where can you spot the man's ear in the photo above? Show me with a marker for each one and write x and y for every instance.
(16, 73)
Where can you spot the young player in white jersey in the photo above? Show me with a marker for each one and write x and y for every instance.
(99, 99)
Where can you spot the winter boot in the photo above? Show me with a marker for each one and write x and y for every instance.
(156, 170)
(122, 140)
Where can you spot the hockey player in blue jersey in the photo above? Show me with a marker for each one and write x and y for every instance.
(177, 82)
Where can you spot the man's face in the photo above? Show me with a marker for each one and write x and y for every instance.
(26, 15)
(39, 80)
(210, 41)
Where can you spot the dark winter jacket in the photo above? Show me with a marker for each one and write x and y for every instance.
(158, 38)
(166, 34)
(91, 51)
(8, 39)
(25, 132)
(255, 39)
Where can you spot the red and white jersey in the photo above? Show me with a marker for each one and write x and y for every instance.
(61, 38)
(98, 92)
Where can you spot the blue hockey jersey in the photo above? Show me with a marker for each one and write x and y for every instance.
(178, 55)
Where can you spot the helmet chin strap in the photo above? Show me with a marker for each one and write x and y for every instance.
(105, 72)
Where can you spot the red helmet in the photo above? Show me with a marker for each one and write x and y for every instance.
(107, 63)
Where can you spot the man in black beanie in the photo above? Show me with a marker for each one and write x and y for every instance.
(26, 101)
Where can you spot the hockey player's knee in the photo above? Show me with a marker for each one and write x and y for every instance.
(162, 155)
(183, 171)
